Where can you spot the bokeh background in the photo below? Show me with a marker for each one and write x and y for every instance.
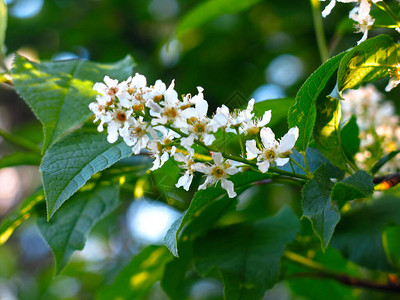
(265, 52)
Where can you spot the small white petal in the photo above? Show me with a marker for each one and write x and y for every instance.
(228, 186)
(265, 120)
(327, 10)
(267, 137)
(251, 149)
(281, 161)
(263, 166)
(217, 157)
(208, 139)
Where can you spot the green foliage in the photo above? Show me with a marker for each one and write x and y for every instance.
(19, 215)
(70, 163)
(68, 229)
(200, 201)
(304, 112)
(314, 289)
(391, 244)
(359, 234)
(247, 254)
(136, 279)
(210, 10)
(59, 92)
(367, 62)
(327, 132)
(318, 206)
(20, 158)
(358, 185)
(349, 138)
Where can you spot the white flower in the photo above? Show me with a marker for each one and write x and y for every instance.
(395, 79)
(101, 113)
(253, 125)
(168, 110)
(219, 171)
(161, 149)
(273, 152)
(332, 4)
(186, 179)
(112, 90)
(120, 118)
(135, 133)
(197, 124)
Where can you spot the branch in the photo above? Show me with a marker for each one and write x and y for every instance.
(393, 287)
(323, 272)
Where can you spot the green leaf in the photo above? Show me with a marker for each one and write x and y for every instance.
(173, 279)
(247, 254)
(201, 200)
(310, 289)
(391, 244)
(20, 215)
(209, 10)
(68, 229)
(3, 27)
(318, 207)
(358, 236)
(349, 138)
(137, 278)
(59, 92)
(367, 62)
(303, 113)
(384, 160)
(279, 108)
(20, 158)
(358, 185)
(327, 131)
(70, 163)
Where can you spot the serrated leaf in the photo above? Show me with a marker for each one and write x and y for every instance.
(68, 229)
(367, 62)
(70, 163)
(20, 215)
(3, 27)
(200, 201)
(349, 137)
(358, 185)
(247, 254)
(327, 131)
(209, 10)
(19, 159)
(136, 279)
(358, 236)
(318, 207)
(303, 113)
(59, 92)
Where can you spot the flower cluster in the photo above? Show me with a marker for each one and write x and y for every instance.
(378, 124)
(360, 14)
(156, 120)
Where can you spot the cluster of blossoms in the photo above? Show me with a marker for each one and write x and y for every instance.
(378, 124)
(360, 14)
(156, 120)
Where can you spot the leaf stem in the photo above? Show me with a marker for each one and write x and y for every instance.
(297, 164)
(319, 30)
(19, 141)
(240, 142)
(308, 171)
